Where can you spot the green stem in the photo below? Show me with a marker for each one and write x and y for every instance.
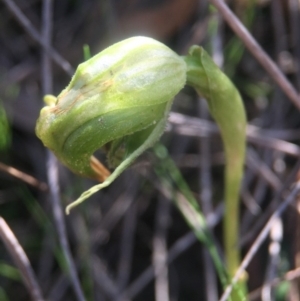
(226, 107)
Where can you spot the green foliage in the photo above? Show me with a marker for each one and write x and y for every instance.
(282, 291)
(3, 296)
(86, 52)
(5, 135)
(10, 272)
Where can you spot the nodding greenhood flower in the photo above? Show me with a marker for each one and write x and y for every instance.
(118, 101)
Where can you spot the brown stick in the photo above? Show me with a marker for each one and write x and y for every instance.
(23, 176)
(26, 24)
(21, 261)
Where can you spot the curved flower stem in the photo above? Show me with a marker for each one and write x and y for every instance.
(226, 107)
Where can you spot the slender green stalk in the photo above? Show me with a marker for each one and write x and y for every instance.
(226, 107)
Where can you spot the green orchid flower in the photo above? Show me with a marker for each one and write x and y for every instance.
(117, 101)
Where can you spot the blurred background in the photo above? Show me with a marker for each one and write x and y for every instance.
(128, 242)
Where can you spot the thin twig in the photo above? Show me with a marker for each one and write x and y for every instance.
(259, 240)
(104, 281)
(289, 276)
(265, 172)
(294, 18)
(29, 28)
(257, 51)
(59, 288)
(160, 254)
(274, 249)
(52, 168)
(180, 246)
(280, 32)
(195, 127)
(46, 37)
(21, 261)
(205, 166)
(127, 244)
(206, 199)
(58, 215)
(249, 234)
(114, 214)
(250, 202)
(23, 177)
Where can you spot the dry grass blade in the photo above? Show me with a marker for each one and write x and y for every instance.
(24, 21)
(289, 276)
(195, 127)
(23, 177)
(52, 171)
(259, 240)
(21, 261)
(160, 254)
